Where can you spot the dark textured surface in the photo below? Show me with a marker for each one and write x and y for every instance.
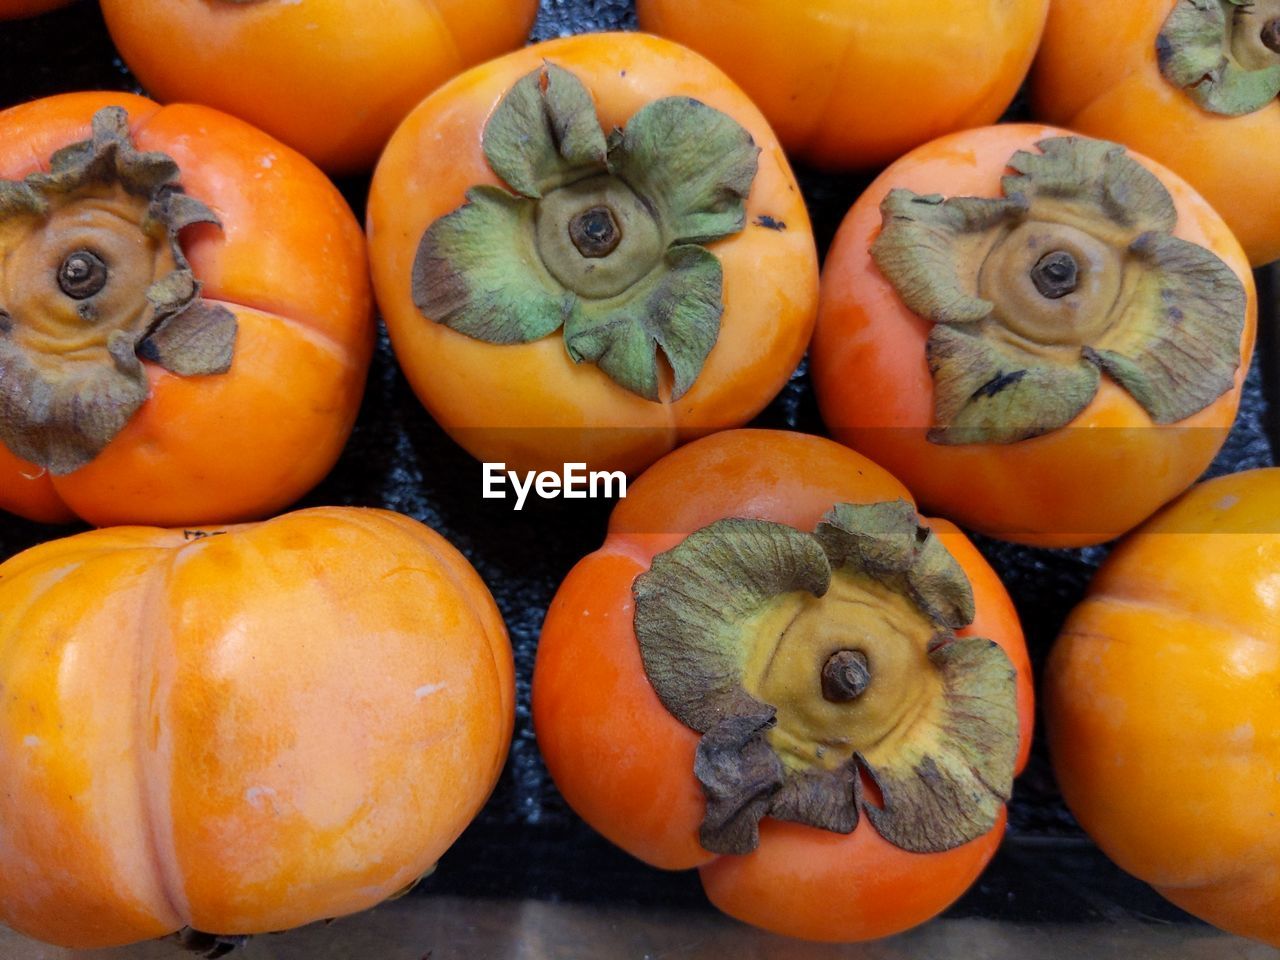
(527, 843)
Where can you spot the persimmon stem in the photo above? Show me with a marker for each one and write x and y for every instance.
(1271, 34)
(1056, 274)
(595, 232)
(82, 274)
(845, 676)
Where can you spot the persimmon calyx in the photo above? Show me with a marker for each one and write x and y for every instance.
(1223, 54)
(92, 282)
(603, 236)
(810, 661)
(1073, 273)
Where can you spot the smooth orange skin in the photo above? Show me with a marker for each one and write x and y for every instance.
(856, 85)
(1160, 700)
(289, 262)
(529, 404)
(244, 732)
(626, 765)
(331, 78)
(1097, 73)
(17, 9)
(1089, 482)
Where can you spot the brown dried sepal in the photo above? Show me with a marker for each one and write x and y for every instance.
(93, 279)
(1074, 273)
(738, 628)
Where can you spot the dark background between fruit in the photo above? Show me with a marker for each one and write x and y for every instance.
(527, 843)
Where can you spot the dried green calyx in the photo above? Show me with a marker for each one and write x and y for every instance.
(1074, 272)
(1224, 54)
(602, 236)
(92, 282)
(826, 679)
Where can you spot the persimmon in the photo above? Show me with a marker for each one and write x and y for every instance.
(856, 85)
(185, 315)
(1160, 701)
(1190, 83)
(1044, 336)
(331, 78)
(774, 671)
(16, 9)
(559, 293)
(240, 730)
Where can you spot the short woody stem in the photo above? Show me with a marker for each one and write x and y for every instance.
(1056, 274)
(845, 676)
(595, 232)
(1271, 34)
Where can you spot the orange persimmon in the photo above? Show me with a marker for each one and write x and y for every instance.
(1042, 335)
(331, 78)
(555, 293)
(1190, 84)
(240, 730)
(185, 315)
(1160, 704)
(820, 669)
(856, 85)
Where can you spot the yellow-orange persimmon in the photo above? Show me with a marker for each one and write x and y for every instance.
(1044, 336)
(331, 78)
(187, 315)
(557, 291)
(854, 85)
(1202, 101)
(604, 695)
(239, 729)
(1160, 702)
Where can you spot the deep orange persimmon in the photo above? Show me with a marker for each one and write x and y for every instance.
(680, 307)
(331, 78)
(1101, 71)
(856, 85)
(1088, 354)
(124, 419)
(603, 701)
(240, 729)
(1160, 704)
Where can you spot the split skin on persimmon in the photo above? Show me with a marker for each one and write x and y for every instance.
(776, 672)
(185, 315)
(591, 250)
(331, 78)
(1190, 83)
(1044, 336)
(856, 85)
(240, 730)
(1160, 704)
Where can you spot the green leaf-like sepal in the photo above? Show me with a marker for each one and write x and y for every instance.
(945, 782)
(543, 132)
(603, 236)
(1204, 342)
(1016, 352)
(1208, 49)
(917, 250)
(678, 313)
(478, 272)
(705, 622)
(70, 375)
(986, 391)
(695, 601)
(695, 163)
